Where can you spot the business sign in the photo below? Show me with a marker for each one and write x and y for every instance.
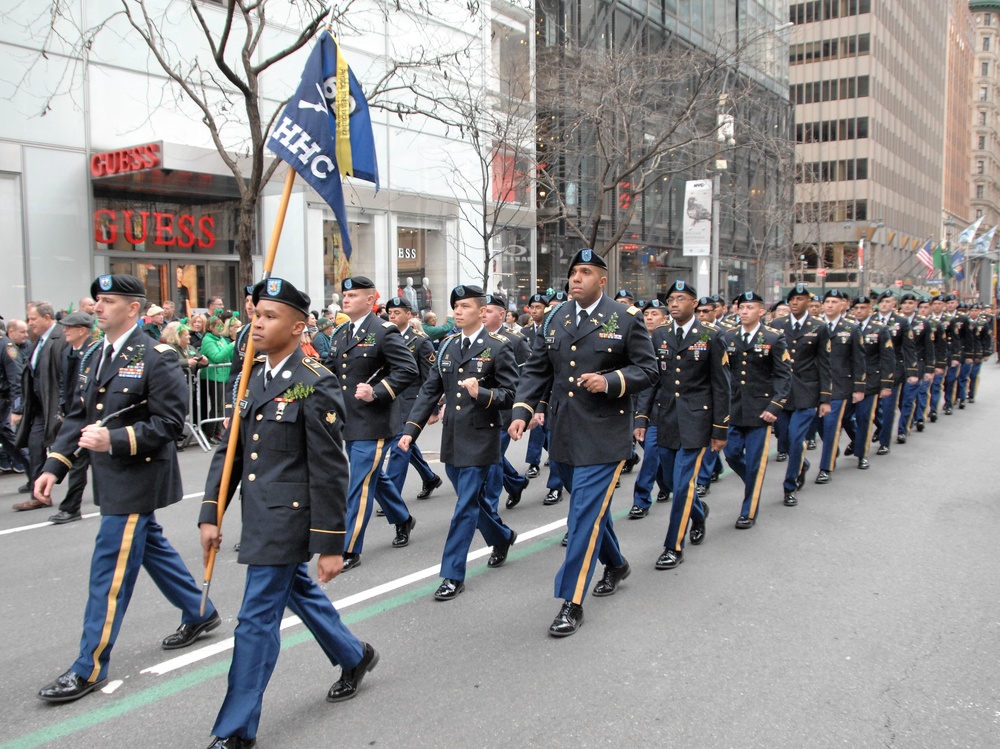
(125, 160)
(697, 221)
(154, 228)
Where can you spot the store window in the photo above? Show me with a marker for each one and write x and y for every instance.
(511, 268)
(420, 262)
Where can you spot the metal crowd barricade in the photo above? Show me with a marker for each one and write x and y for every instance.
(206, 406)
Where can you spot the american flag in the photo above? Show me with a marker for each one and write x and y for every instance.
(924, 256)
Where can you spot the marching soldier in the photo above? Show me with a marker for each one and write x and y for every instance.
(374, 365)
(880, 367)
(905, 372)
(129, 412)
(476, 373)
(539, 436)
(808, 345)
(761, 381)
(595, 353)
(938, 321)
(847, 376)
(711, 310)
(984, 337)
(292, 508)
(692, 416)
(915, 391)
(423, 353)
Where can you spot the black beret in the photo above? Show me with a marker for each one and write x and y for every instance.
(77, 320)
(799, 289)
(559, 296)
(497, 300)
(539, 299)
(398, 302)
(815, 298)
(357, 282)
(248, 289)
(466, 292)
(861, 300)
(280, 290)
(717, 299)
(682, 287)
(654, 304)
(908, 296)
(949, 298)
(834, 294)
(706, 301)
(887, 294)
(773, 306)
(624, 294)
(119, 284)
(750, 296)
(587, 256)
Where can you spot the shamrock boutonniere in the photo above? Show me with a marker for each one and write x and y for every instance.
(611, 326)
(705, 338)
(296, 392)
(136, 357)
(486, 354)
(369, 339)
(760, 339)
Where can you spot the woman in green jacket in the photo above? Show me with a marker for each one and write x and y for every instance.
(218, 349)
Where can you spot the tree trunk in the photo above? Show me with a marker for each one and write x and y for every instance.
(246, 216)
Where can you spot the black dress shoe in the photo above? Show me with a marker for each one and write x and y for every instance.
(701, 490)
(637, 512)
(553, 497)
(811, 445)
(790, 499)
(698, 528)
(863, 464)
(663, 497)
(24, 489)
(630, 464)
(781, 457)
(186, 634)
(350, 678)
(64, 517)
(449, 589)
(823, 477)
(403, 533)
(514, 498)
(947, 411)
(568, 620)
(884, 449)
(972, 400)
(612, 576)
(351, 561)
(429, 486)
(68, 687)
(379, 513)
(716, 475)
(500, 551)
(532, 472)
(920, 426)
(901, 439)
(961, 405)
(849, 450)
(933, 417)
(800, 480)
(743, 522)
(233, 742)
(669, 559)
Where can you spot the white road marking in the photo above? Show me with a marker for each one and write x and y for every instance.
(112, 686)
(46, 524)
(220, 647)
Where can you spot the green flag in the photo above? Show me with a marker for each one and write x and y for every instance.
(942, 261)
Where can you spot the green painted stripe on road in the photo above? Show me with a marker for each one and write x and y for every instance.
(194, 678)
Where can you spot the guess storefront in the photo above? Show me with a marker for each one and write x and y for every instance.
(172, 227)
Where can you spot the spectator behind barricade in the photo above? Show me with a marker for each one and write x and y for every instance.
(233, 327)
(169, 312)
(154, 322)
(434, 331)
(198, 325)
(307, 346)
(334, 313)
(510, 322)
(321, 341)
(179, 338)
(218, 348)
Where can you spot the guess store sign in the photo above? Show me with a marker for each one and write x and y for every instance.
(154, 228)
(125, 160)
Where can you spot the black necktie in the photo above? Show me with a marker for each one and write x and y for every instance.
(109, 352)
(466, 345)
(797, 326)
(830, 326)
(746, 339)
(350, 330)
(583, 318)
(679, 334)
(268, 377)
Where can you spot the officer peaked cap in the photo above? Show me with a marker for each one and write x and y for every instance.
(280, 290)
(119, 284)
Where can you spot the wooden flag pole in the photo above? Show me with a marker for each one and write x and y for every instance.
(234, 426)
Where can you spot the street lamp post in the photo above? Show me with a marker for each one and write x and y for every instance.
(949, 226)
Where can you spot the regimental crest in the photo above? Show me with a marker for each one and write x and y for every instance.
(273, 286)
(348, 284)
(331, 417)
(748, 295)
(800, 288)
(586, 256)
(459, 291)
(105, 283)
(489, 299)
(622, 292)
(679, 286)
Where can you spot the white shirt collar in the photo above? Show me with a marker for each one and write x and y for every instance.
(801, 321)
(686, 328)
(117, 345)
(277, 367)
(359, 323)
(590, 309)
(474, 336)
(753, 332)
(832, 323)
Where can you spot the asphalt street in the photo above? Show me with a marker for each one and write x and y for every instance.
(868, 616)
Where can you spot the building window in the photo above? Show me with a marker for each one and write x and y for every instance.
(986, 70)
(982, 143)
(979, 213)
(980, 191)
(983, 91)
(982, 117)
(987, 19)
(980, 167)
(986, 44)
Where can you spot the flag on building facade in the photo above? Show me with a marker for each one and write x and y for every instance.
(958, 265)
(925, 258)
(969, 232)
(985, 242)
(942, 261)
(326, 130)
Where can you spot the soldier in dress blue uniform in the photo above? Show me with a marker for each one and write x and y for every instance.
(654, 313)
(423, 353)
(807, 340)
(761, 382)
(692, 416)
(906, 371)
(847, 376)
(965, 350)
(539, 436)
(128, 413)
(709, 310)
(983, 329)
(373, 364)
(914, 398)
(476, 373)
(292, 508)
(880, 369)
(939, 321)
(595, 353)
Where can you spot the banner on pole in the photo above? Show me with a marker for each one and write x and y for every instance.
(697, 218)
